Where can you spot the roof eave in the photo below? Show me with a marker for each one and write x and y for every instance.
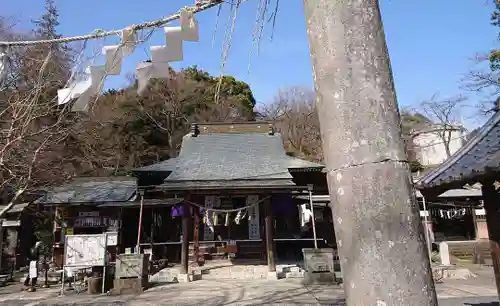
(427, 180)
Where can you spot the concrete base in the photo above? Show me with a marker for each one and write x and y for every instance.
(272, 275)
(129, 285)
(319, 278)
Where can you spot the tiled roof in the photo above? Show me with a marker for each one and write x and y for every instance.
(479, 155)
(163, 166)
(16, 208)
(233, 156)
(457, 193)
(92, 190)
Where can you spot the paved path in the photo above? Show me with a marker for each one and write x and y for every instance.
(236, 292)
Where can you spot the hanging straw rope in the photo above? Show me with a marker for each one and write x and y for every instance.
(226, 210)
(200, 6)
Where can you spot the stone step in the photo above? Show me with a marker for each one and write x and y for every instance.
(236, 272)
(294, 274)
(288, 268)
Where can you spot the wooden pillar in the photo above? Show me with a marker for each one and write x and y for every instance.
(120, 247)
(474, 221)
(196, 234)
(185, 237)
(1, 248)
(491, 199)
(139, 223)
(269, 236)
(151, 232)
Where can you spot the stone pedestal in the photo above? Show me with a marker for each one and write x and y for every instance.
(319, 266)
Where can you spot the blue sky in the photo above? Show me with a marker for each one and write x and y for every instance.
(431, 42)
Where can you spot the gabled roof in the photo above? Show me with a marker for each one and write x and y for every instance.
(92, 190)
(477, 157)
(233, 156)
(163, 166)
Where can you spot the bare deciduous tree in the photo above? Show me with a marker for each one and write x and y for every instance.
(32, 125)
(483, 81)
(295, 114)
(446, 115)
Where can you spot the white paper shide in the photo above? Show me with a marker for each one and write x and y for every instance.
(172, 51)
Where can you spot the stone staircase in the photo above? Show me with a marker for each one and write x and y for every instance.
(213, 270)
(225, 269)
(235, 272)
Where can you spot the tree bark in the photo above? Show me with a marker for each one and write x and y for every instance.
(380, 237)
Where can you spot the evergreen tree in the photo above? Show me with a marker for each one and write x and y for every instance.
(58, 68)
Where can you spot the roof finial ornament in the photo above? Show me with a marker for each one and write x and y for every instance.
(195, 131)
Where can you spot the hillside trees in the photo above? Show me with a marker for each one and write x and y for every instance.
(31, 124)
(294, 111)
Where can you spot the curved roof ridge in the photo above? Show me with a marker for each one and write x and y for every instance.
(483, 132)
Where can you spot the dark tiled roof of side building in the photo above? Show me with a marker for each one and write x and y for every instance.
(92, 190)
(479, 155)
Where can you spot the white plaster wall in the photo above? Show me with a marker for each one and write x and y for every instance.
(431, 150)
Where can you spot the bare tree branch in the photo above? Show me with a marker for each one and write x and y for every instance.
(294, 111)
(446, 114)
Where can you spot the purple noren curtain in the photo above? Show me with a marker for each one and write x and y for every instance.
(178, 210)
(282, 204)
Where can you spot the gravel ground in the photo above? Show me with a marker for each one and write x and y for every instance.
(477, 292)
(473, 301)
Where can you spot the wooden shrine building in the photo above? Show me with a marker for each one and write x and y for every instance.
(477, 161)
(90, 205)
(237, 187)
(231, 192)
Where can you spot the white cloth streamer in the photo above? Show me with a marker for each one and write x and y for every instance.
(4, 65)
(129, 41)
(172, 52)
(75, 90)
(189, 26)
(84, 90)
(237, 219)
(95, 83)
(208, 221)
(305, 214)
(114, 59)
(146, 71)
